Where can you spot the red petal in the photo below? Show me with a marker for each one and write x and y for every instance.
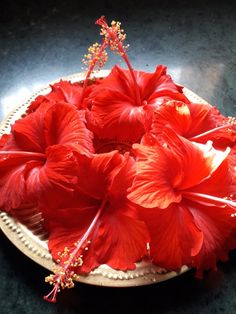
(64, 125)
(95, 175)
(116, 117)
(40, 101)
(163, 171)
(155, 173)
(28, 132)
(66, 91)
(158, 84)
(117, 240)
(51, 181)
(123, 179)
(198, 122)
(121, 241)
(219, 184)
(217, 225)
(174, 236)
(174, 114)
(115, 110)
(13, 169)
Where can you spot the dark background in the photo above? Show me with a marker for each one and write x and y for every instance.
(44, 40)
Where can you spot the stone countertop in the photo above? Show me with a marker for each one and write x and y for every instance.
(40, 42)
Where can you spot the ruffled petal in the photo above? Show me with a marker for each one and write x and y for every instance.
(197, 122)
(28, 132)
(121, 241)
(158, 84)
(123, 179)
(170, 166)
(217, 225)
(55, 178)
(115, 116)
(174, 114)
(155, 172)
(175, 237)
(115, 111)
(96, 174)
(13, 171)
(66, 91)
(64, 125)
(117, 240)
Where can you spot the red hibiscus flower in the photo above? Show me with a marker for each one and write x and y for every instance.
(185, 188)
(64, 91)
(197, 122)
(116, 112)
(101, 218)
(37, 160)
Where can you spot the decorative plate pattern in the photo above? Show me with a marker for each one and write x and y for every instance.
(31, 239)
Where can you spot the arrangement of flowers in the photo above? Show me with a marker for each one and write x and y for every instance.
(123, 168)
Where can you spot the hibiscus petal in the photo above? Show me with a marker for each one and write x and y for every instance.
(219, 184)
(64, 125)
(68, 225)
(174, 236)
(152, 186)
(96, 174)
(121, 241)
(13, 169)
(119, 81)
(116, 117)
(123, 179)
(155, 84)
(55, 178)
(197, 122)
(117, 240)
(198, 161)
(174, 114)
(115, 111)
(171, 165)
(217, 225)
(66, 91)
(28, 132)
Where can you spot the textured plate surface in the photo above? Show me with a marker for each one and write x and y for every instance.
(31, 239)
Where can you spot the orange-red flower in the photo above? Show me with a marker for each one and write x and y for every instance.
(115, 111)
(186, 190)
(101, 226)
(197, 122)
(37, 160)
(63, 91)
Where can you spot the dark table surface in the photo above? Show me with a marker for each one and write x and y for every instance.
(42, 41)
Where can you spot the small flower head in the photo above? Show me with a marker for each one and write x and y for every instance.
(63, 276)
(96, 56)
(60, 280)
(114, 35)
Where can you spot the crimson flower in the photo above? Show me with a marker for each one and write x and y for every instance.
(186, 190)
(101, 226)
(116, 113)
(197, 122)
(37, 159)
(64, 91)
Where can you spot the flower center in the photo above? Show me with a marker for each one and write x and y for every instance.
(106, 146)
